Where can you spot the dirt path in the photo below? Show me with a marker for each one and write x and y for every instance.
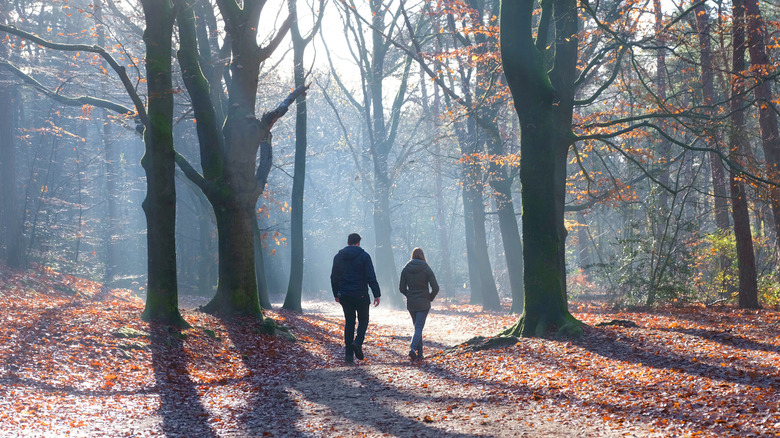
(388, 395)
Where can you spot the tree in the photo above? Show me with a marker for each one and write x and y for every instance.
(719, 185)
(544, 103)
(755, 30)
(292, 300)
(232, 179)
(158, 162)
(748, 287)
(10, 214)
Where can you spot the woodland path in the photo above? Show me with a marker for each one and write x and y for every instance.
(389, 395)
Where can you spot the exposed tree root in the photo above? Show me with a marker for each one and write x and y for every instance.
(482, 343)
(563, 326)
(618, 322)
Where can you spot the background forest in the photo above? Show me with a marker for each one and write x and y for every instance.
(404, 130)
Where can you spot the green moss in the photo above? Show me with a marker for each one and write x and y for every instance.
(129, 332)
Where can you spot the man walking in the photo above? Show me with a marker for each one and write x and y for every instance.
(352, 274)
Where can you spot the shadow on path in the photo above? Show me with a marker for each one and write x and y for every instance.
(181, 409)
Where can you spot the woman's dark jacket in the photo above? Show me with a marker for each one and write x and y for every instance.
(352, 274)
(415, 278)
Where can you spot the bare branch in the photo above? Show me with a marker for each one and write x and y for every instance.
(120, 70)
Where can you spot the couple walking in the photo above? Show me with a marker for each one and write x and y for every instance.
(352, 275)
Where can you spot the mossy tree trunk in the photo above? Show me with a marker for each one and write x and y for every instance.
(544, 104)
(158, 163)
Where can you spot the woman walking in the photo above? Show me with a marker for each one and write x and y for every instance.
(415, 278)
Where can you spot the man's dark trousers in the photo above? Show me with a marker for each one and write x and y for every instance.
(354, 307)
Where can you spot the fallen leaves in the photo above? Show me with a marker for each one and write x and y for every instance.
(672, 372)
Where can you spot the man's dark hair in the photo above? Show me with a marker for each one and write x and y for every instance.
(353, 239)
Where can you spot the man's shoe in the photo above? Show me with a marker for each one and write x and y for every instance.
(358, 350)
(348, 359)
(412, 355)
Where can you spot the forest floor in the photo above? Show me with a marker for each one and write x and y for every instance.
(68, 368)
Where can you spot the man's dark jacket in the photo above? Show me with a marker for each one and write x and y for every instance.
(352, 273)
(415, 278)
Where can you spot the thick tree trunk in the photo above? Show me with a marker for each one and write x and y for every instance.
(229, 151)
(237, 288)
(158, 162)
(748, 288)
(545, 138)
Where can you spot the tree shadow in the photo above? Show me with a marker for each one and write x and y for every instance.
(351, 394)
(181, 409)
(629, 349)
(725, 337)
(681, 405)
(280, 386)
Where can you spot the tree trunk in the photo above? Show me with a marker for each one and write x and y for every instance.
(158, 162)
(262, 282)
(385, 262)
(475, 284)
(292, 300)
(507, 221)
(720, 188)
(748, 288)
(237, 289)
(767, 116)
(229, 151)
(11, 214)
(662, 207)
(545, 139)
(111, 221)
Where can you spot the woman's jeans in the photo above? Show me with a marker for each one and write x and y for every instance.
(418, 318)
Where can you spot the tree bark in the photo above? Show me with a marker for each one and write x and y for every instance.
(767, 112)
(11, 214)
(507, 221)
(545, 116)
(664, 148)
(748, 284)
(292, 300)
(720, 187)
(158, 162)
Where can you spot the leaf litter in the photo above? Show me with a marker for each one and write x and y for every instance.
(76, 360)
